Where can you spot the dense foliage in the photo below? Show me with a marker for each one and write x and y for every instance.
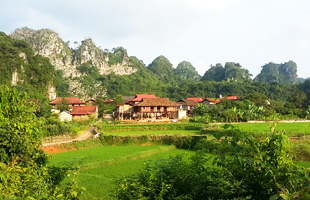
(17, 56)
(254, 106)
(23, 170)
(251, 169)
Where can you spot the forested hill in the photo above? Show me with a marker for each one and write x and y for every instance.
(90, 72)
(21, 68)
(285, 73)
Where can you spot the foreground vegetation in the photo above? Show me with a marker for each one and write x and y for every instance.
(251, 169)
(23, 170)
(240, 167)
(101, 166)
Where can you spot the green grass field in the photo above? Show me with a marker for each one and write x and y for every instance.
(164, 132)
(302, 127)
(102, 165)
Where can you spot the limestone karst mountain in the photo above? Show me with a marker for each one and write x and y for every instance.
(47, 43)
(18, 64)
(186, 71)
(230, 72)
(285, 73)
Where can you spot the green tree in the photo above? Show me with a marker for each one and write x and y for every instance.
(23, 170)
(258, 99)
(63, 105)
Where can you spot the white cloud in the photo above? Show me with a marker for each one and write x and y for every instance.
(203, 32)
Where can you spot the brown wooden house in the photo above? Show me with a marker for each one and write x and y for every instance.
(156, 107)
(187, 105)
(148, 108)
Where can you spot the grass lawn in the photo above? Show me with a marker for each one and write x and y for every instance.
(102, 165)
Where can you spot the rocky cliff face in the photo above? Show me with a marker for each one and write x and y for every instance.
(285, 73)
(47, 43)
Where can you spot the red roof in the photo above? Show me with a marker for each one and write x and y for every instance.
(83, 110)
(157, 102)
(108, 100)
(232, 97)
(139, 97)
(229, 98)
(70, 100)
(197, 99)
(210, 100)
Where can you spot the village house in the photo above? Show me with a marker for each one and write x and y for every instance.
(187, 105)
(138, 98)
(125, 110)
(197, 99)
(108, 101)
(209, 101)
(156, 108)
(90, 102)
(72, 102)
(84, 112)
(231, 98)
(147, 106)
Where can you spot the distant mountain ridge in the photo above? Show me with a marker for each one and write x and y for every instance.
(88, 71)
(47, 43)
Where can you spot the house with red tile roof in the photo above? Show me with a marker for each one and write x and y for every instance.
(209, 101)
(138, 98)
(90, 102)
(187, 105)
(231, 98)
(72, 101)
(108, 101)
(197, 99)
(83, 112)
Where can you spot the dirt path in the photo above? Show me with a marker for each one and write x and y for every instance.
(84, 136)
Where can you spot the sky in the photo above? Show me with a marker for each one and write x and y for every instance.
(202, 32)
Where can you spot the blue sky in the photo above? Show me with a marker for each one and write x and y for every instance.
(203, 32)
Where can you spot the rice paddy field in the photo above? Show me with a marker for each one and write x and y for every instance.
(156, 132)
(102, 165)
(293, 128)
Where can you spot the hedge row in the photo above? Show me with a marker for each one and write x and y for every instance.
(149, 127)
